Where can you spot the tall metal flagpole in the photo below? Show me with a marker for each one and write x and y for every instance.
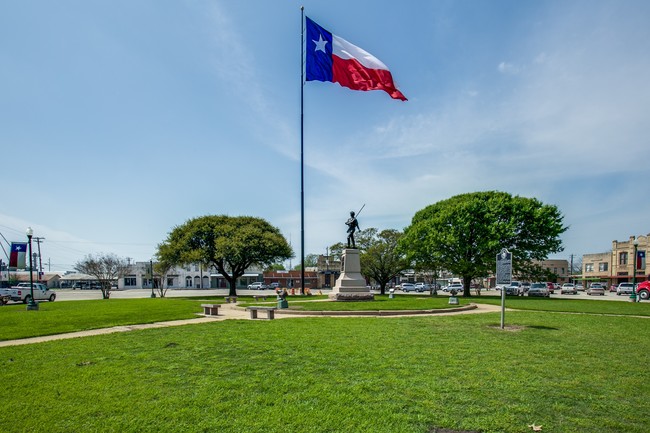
(302, 141)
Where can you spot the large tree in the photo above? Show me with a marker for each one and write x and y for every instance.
(311, 260)
(107, 268)
(463, 234)
(230, 244)
(381, 260)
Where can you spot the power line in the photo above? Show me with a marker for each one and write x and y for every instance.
(40, 261)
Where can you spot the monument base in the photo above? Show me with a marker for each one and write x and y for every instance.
(350, 285)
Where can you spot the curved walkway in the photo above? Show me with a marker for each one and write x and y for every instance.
(232, 311)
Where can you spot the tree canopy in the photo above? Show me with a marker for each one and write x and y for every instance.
(464, 233)
(107, 268)
(229, 244)
(381, 260)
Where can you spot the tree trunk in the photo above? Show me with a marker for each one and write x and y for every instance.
(106, 290)
(233, 287)
(467, 282)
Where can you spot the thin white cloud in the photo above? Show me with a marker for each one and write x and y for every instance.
(508, 68)
(235, 64)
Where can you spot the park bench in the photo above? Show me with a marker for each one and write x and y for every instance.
(258, 297)
(211, 309)
(270, 312)
(230, 299)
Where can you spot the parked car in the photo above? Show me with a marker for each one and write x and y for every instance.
(515, 289)
(580, 288)
(407, 287)
(22, 292)
(274, 286)
(643, 290)
(624, 289)
(421, 287)
(454, 287)
(612, 288)
(596, 289)
(550, 287)
(257, 285)
(539, 289)
(525, 287)
(568, 289)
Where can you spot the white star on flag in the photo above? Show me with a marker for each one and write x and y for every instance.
(320, 44)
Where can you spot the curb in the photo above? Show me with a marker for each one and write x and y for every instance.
(377, 313)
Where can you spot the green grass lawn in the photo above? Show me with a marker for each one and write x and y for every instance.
(381, 302)
(583, 305)
(70, 316)
(566, 372)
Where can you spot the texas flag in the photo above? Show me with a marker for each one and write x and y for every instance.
(17, 255)
(331, 58)
(640, 260)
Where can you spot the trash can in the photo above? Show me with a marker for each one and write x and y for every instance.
(391, 293)
(282, 303)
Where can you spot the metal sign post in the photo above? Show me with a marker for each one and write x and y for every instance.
(504, 277)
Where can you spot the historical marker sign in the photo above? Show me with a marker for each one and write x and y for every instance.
(504, 278)
(504, 267)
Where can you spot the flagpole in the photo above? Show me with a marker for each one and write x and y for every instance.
(302, 147)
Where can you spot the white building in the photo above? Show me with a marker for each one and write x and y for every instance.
(191, 276)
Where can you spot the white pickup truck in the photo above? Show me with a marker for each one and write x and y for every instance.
(22, 292)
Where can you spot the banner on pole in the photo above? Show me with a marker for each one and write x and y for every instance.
(17, 255)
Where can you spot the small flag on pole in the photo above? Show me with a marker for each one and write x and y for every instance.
(331, 58)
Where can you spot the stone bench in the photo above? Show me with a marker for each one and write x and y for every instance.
(230, 299)
(270, 312)
(211, 309)
(258, 297)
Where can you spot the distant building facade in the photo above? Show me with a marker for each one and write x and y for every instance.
(558, 267)
(193, 276)
(619, 265)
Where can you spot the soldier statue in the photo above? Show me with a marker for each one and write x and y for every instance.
(353, 225)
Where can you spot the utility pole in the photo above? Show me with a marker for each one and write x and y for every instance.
(40, 262)
(571, 267)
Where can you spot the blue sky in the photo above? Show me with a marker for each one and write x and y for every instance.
(120, 120)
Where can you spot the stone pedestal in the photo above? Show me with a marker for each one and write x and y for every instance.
(350, 285)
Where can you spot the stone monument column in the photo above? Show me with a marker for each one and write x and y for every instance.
(350, 285)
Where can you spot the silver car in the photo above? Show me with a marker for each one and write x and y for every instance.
(625, 289)
(539, 289)
(407, 287)
(455, 287)
(568, 289)
(596, 289)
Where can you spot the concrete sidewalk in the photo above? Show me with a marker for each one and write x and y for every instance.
(232, 311)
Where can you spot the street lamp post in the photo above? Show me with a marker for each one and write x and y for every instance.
(31, 305)
(636, 246)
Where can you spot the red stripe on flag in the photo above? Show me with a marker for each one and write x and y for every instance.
(353, 75)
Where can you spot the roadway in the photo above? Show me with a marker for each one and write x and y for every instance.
(76, 295)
